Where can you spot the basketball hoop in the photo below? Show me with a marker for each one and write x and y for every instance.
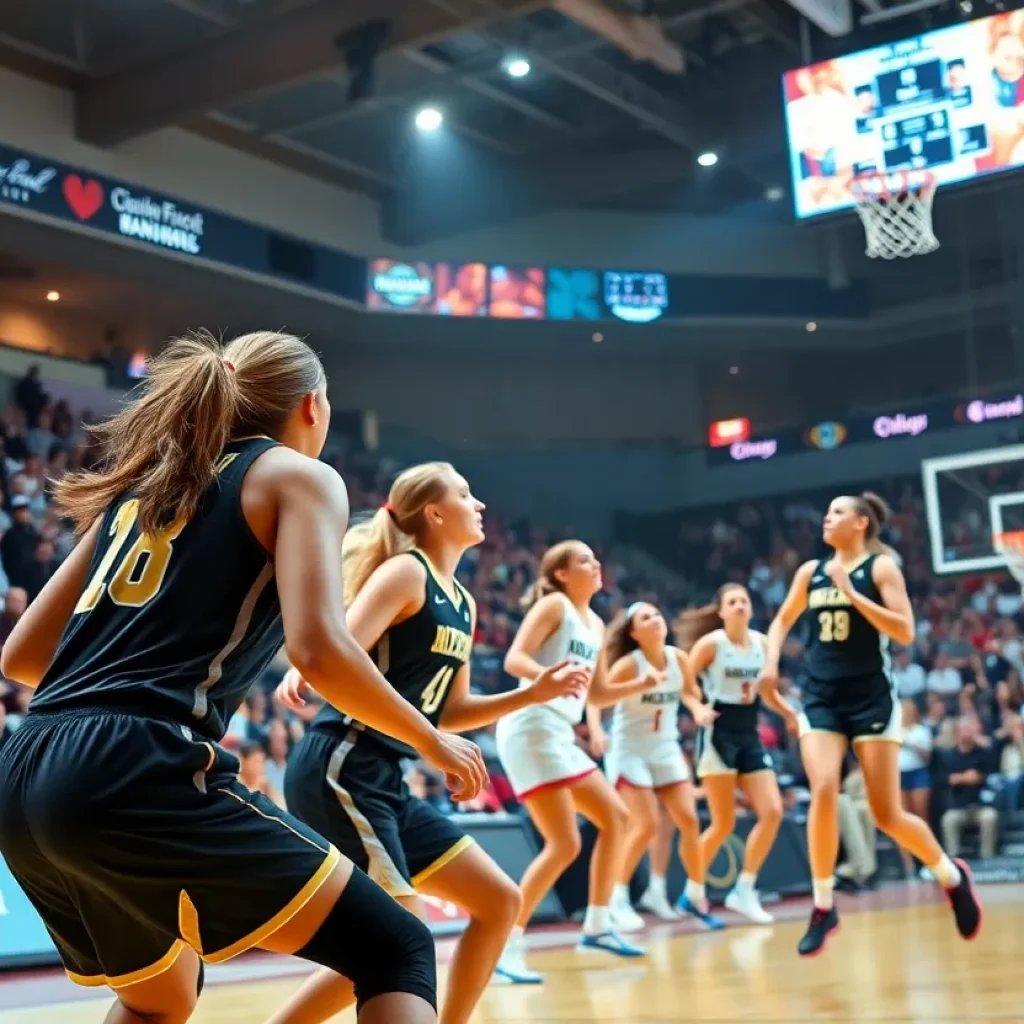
(1011, 546)
(896, 211)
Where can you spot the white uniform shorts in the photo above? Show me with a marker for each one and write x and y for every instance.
(660, 763)
(538, 751)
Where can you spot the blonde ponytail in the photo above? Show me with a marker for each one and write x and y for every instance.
(164, 445)
(367, 546)
(553, 560)
(393, 529)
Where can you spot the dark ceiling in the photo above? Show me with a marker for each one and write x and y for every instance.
(330, 87)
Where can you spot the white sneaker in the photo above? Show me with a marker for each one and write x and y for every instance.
(657, 903)
(511, 968)
(626, 919)
(746, 902)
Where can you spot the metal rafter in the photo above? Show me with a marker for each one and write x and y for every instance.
(259, 58)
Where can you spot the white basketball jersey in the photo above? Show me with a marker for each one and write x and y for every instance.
(645, 717)
(576, 640)
(731, 678)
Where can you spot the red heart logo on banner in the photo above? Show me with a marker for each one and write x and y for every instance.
(84, 197)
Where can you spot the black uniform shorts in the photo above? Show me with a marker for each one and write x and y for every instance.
(132, 838)
(354, 794)
(859, 708)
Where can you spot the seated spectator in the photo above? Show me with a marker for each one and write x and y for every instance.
(968, 764)
(944, 680)
(910, 678)
(253, 771)
(277, 755)
(18, 544)
(1011, 762)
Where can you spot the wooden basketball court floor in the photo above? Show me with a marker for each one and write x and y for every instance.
(897, 960)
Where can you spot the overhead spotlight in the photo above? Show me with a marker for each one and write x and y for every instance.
(517, 67)
(812, 327)
(597, 337)
(734, 370)
(708, 159)
(773, 193)
(429, 119)
(53, 296)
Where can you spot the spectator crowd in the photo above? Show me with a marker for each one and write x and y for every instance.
(962, 760)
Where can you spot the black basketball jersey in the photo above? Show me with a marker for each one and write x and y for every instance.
(843, 643)
(419, 658)
(178, 625)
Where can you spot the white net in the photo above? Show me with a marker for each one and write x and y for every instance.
(1011, 547)
(896, 211)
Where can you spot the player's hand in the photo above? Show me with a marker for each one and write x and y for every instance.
(792, 720)
(705, 716)
(839, 576)
(562, 680)
(652, 680)
(598, 743)
(293, 690)
(461, 762)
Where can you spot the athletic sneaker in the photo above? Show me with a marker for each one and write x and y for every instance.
(609, 942)
(747, 903)
(625, 918)
(511, 968)
(823, 924)
(657, 903)
(965, 903)
(706, 918)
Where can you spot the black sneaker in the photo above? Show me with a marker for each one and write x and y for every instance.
(823, 924)
(965, 903)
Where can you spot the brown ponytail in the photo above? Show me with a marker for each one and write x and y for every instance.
(695, 623)
(553, 560)
(395, 528)
(877, 513)
(618, 637)
(164, 445)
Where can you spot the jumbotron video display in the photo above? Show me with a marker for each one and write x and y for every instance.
(950, 102)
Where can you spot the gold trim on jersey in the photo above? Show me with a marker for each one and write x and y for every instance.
(446, 858)
(456, 598)
(165, 963)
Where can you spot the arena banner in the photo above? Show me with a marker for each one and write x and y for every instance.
(37, 185)
(882, 428)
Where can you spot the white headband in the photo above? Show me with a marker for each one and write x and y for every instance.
(634, 608)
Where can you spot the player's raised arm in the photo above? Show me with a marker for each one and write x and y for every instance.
(312, 516)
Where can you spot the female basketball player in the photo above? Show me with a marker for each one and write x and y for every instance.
(210, 521)
(858, 600)
(407, 608)
(549, 773)
(645, 762)
(728, 656)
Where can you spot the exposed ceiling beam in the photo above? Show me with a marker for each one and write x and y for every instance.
(199, 10)
(550, 45)
(258, 58)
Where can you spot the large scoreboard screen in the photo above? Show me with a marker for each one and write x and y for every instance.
(949, 101)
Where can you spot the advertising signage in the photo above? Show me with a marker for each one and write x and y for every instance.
(829, 435)
(120, 210)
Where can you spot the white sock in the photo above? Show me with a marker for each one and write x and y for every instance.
(656, 886)
(746, 881)
(946, 872)
(598, 920)
(515, 938)
(823, 893)
(695, 892)
(620, 896)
